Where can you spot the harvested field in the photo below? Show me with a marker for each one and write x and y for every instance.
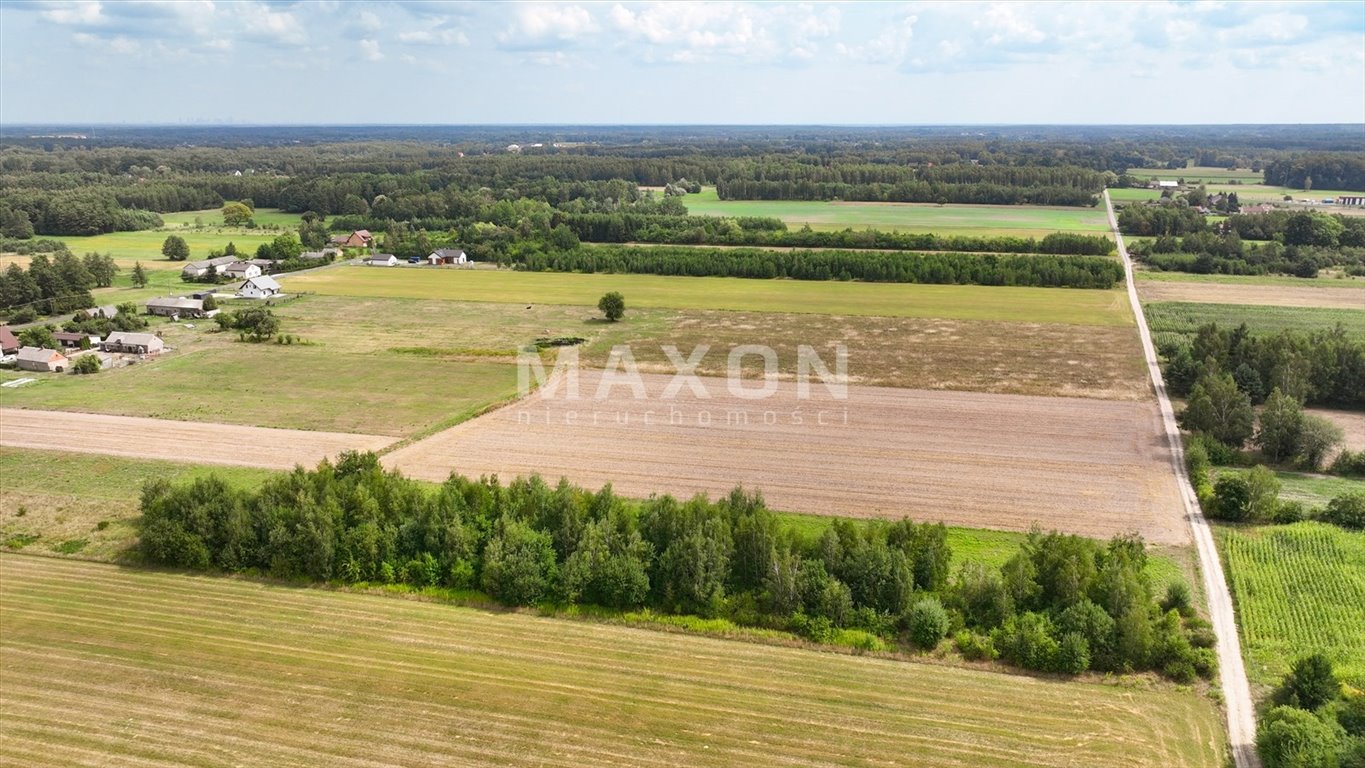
(185, 441)
(1352, 423)
(988, 461)
(280, 676)
(1260, 295)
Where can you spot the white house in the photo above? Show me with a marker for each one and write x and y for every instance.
(448, 256)
(382, 260)
(179, 307)
(195, 269)
(135, 343)
(242, 270)
(259, 287)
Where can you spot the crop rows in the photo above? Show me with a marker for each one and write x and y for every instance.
(279, 676)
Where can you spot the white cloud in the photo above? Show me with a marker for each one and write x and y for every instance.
(86, 13)
(688, 31)
(369, 49)
(434, 37)
(546, 25)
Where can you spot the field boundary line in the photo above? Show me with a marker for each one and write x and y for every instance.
(1241, 712)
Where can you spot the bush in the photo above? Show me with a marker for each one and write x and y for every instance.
(974, 646)
(1073, 654)
(519, 565)
(612, 306)
(1346, 463)
(1026, 639)
(1232, 498)
(928, 623)
(1293, 738)
(1347, 511)
(86, 364)
(1310, 684)
(1289, 512)
(1177, 598)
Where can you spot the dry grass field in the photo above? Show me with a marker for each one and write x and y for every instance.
(1263, 295)
(185, 441)
(155, 662)
(990, 461)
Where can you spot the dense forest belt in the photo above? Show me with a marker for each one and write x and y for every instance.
(712, 230)
(940, 268)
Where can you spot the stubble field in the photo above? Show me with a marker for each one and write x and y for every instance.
(288, 677)
(1310, 295)
(990, 461)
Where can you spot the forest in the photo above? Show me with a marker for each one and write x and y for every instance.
(1062, 604)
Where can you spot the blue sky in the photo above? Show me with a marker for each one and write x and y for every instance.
(672, 62)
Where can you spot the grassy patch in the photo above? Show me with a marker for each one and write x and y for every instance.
(1337, 280)
(1184, 318)
(294, 387)
(972, 220)
(1313, 490)
(213, 218)
(297, 672)
(1299, 588)
(963, 302)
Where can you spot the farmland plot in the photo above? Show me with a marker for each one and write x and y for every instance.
(1261, 295)
(283, 677)
(990, 461)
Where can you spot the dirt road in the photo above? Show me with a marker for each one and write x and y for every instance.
(1236, 689)
(973, 459)
(184, 441)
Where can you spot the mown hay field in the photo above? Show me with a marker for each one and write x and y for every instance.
(1083, 466)
(169, 669)
(1308, 295)
(953, 302)
(955, 219)
(1299, 589)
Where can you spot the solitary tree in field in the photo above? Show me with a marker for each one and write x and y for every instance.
(175, 248)
(236, 214)
(139, 275)
(613, 306)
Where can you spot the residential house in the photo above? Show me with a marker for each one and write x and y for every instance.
(267, 266)
(241, 270)
(361, 238)
(40, 359)
(260, 287)
(106, 312)
(197, 269)
(382, 260)
(72, 339)
(133, 343)
(179, 307)
(9, 343)
(448, 256)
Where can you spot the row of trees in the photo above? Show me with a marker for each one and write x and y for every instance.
(1324, 170)
(55, 284)
(942, 268)
(1063, 603)
(84, 211)
(1323, 367)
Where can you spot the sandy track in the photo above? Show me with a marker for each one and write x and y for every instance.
(972, 459)
(1263, 295)
(185, 441)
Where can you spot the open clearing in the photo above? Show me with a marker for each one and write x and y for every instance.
(1299, 588)
(1325, 279)
(212, 378)
(955, 302)
(1185, 317)
(1260, 295)
(176, 440)
(967, 459)
(955, 219)
(283, 676)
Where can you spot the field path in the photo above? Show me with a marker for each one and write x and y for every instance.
(1232, 669)
(185, 441)
(1007, 462)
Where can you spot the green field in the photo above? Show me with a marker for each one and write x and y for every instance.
(1196, 173)
(1298, 588)
(1175, 317)
(1323, 280)
(268, 385)
(213, 218)
(1312, 490)
(961, 302)
(291, 676)
(974, 220)
(1132, 194)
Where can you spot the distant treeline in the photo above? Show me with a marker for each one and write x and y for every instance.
(711, 230)
(941, 268)
(1294, 242)
(1061, 604)
(1326, 170)
(955, 183)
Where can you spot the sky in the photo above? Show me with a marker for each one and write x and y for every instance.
(395, 62)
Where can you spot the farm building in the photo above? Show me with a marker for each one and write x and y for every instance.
(361, 238)
(260, 287)
(179, 307)
(241, 270)
(382, 260)
(9, 343)
(133, 343)
(1167, 184)
(1351, 200)
(208, 266)
(448, 256)
(106, 312)
(40, 359)
(72, 339)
